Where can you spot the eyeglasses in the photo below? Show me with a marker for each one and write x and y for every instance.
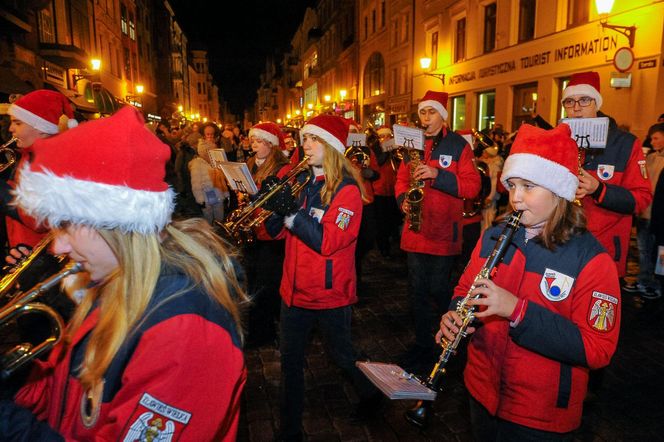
(583, 102)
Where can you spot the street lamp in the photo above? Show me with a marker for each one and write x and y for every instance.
(95, 64)
(604, 9)
(425, 64)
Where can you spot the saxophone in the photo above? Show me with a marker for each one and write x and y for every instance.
(418, 415)
(415, 193)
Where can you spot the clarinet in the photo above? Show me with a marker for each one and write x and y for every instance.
(419, 414)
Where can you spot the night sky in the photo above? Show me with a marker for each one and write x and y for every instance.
(239, 42)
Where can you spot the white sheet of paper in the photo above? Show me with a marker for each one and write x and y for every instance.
(217, 156)
(356, 140)
(589, 133)
(409, 137)
(239, 177)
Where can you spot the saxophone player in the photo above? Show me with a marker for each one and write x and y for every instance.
(449, 175)
(550, 313)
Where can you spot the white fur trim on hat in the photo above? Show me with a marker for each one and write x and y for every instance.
(267, 136)
(546, 173)
(48, 197)
(583, 89)
(330, 139)
(434, 104)
(33, 120)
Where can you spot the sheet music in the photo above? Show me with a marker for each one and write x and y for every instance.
(589, 133)
(388, 145)
(408, 137)
(239, 177)
(394, 382)
(356, 140)
(217, 156)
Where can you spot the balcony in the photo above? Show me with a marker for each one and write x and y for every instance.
(67, 56)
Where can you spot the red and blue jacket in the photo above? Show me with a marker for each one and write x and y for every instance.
(624, 191)
(319, 268)
(180, 374)
(536, 373)
(442, 207)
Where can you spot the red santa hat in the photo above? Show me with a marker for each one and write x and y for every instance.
(436, 100)
(107, 174)
(548, 158)
(330, 128)
(42, 109)
(584, 83)
(269, 132)
(384, 131)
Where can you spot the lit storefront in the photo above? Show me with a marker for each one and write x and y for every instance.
(508, 85)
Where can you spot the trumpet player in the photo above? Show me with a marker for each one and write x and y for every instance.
(318, 284)
(36, 115)
(449, 175)
(155, 345)
(551, 311)
(264, 257)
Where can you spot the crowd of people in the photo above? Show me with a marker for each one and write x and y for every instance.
(182, 270)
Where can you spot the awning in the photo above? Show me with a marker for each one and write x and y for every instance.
(78, 100)
(11, 84)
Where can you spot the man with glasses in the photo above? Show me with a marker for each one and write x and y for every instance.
(613, 182)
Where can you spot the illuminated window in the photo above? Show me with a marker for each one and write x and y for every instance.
(486, 110)
(458, 117)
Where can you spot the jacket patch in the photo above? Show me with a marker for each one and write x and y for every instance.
(555, 286)
(343, 218)
(444, 161)
(602, 312)
(644, 171)
(605, 171)
(153, 420)
(316, 214)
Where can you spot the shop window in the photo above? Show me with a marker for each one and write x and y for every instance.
(460, 41)
(562, 84)
(527, 20)
(489, 28)
(486, 114)
(458, 116)
(525, 102)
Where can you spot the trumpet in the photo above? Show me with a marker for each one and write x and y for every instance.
(358, 156)
(22, 304)
(418, 416)
(241, 221)
(9, 154)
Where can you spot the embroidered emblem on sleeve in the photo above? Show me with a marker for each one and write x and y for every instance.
(602, 312)
(605, 171)
(343, 218)
(445, 161)
(555, 286)
(644, 171)
(155, 421)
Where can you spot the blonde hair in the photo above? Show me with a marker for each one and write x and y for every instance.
(336, 167)
(273, 163)
(188, 245)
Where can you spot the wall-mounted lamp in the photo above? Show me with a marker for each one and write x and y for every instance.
(139, 89)
(425, 64)
(327, 98)
(343, 93)
(604, 9)
(95, 64)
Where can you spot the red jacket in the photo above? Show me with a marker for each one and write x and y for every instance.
(620, 168)
(442, 208)
(536, 373)
(181, 372)
(319, 268)
(384, 185)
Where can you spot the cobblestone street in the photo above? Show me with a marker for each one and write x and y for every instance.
(624, 408)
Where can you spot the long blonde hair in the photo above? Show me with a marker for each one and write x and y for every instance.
(188, 245)
(336, 167)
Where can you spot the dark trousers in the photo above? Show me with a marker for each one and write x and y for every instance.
(428, 279)
(264, 265)
(388, 218)
(296, 326)
(492, 429)
(365, 237)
